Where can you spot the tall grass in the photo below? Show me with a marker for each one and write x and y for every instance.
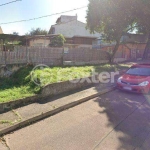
(21, 85)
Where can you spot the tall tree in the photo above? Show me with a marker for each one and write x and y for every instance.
(112, 18)
(37, 31)
(143, 21)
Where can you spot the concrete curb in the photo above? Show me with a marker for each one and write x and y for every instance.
(52, 112)
(47, 91)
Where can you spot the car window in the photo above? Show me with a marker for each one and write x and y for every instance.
(139, 71)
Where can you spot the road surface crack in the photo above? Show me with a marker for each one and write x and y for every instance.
(3, 141)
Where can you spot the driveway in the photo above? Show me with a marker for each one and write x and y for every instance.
(114, 121)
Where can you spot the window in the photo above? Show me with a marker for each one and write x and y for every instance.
(139, 71)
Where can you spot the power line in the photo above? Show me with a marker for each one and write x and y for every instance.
(10, 2)
(42, 16)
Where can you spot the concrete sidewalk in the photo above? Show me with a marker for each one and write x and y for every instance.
(14, 119)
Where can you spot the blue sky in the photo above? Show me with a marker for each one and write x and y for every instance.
(27, 9)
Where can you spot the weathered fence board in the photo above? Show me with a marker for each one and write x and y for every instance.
(51, 56)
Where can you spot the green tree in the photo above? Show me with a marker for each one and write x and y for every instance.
(58, 41)
(112, 18)
(143, 22)
(37, 31)
(15, 33)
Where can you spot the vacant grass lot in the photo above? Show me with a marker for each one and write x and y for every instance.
(20, 85)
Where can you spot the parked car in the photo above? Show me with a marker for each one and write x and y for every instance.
(136, 79)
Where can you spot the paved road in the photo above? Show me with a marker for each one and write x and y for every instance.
(114, 121)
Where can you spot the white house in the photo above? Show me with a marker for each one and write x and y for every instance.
(69, 26)
(1, 31)
(74, 31)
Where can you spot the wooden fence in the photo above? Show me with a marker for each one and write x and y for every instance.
(18, 57)
(85, 56)
(51, 56)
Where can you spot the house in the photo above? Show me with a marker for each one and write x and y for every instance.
(132, 47)
(100, 43)
(74, 31)
(134, 38)
(1, 31)
(69, 26)
(38, 40)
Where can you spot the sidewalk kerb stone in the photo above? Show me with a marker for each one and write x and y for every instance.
(44, 115)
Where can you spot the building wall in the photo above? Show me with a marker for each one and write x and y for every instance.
(73, 28)
(72, 46)
(128, 38)
(1, 31)
(70, 42)
(128, 51)
(99, 43)
(39, 42)
(63, 19)
(82, 40)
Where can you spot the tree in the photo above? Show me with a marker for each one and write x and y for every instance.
(15, 33)
(140, 13)
(37, 31)
(58, 41)
(143, 22)
(112, 18)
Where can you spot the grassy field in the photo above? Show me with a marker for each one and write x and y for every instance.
(21, 85)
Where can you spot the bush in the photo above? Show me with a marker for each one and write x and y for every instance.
(58, 41)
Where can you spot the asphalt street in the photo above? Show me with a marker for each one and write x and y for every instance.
(114, 121)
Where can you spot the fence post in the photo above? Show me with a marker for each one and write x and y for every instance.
(63, 56)
(2, 48)
(26, 52)
(5, 54)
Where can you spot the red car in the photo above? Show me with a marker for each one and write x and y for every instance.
(136, 79)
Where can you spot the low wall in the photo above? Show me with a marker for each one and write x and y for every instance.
(58, 88)
(7, 70)
(6, 106)
(47, 91)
